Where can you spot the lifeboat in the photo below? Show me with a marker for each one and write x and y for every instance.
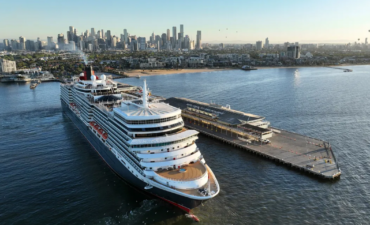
(100, 131)
(105, 136)
(96, 127)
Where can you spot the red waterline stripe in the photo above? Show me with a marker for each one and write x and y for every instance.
(175, 204)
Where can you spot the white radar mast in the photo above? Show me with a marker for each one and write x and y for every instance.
(145, 95)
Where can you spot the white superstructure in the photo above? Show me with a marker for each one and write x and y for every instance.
(146, 136)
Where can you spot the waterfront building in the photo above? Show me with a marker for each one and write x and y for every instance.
(7, 66)
(259, 45)
(294, 52)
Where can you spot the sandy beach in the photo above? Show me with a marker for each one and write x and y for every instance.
(146, 72)
(135, 73)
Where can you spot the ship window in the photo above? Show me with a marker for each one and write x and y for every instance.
(162, 150)
(178, 147)
(165, 158)
(173, 148)
(150, 168)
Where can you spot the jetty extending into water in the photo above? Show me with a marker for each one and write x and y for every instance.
(338, 68)
(253, 134)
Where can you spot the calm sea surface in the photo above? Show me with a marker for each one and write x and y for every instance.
(49, 174)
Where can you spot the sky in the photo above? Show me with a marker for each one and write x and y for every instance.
(231, 21)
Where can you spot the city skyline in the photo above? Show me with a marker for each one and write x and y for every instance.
(234, 22)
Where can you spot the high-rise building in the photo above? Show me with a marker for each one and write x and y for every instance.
(222, 46)
(152, 38)
(22, 43)
(141, 43)
(109, 38)
(259, 45)
(182, 30)
(294, 52)
(102, 34)
(30, 45)
(168, 35)
(61, 41)
(70, 33)
(14, 44)
(98, 34)
(181, 42)
(114, 42)
(125, 34)
(50, 41)
(93, 32)
(365, 41)
(6, 44)
(164, 38)
(174, 35)
(267, 43)
(199, 40)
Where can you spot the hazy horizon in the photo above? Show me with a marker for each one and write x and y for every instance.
(220, 22)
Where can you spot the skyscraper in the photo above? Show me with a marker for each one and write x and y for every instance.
(6, 44)
(102, 34)
(50, 41)
(22, 43)
(168, 35)
(61, 41)
(181, 35)
(109, 38)
(267, 43)
(164, 38)
(174, 35)
(70, 36)
(199, 40)
(125, 34)
(259, 45)
(93, 32)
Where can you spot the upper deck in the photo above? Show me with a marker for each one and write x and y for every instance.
(153, 111)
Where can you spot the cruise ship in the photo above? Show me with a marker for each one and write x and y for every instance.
(142, 139)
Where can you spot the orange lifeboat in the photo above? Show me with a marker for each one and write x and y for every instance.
(105, 136)
(100, 131)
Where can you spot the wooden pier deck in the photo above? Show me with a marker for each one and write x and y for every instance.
(300, 152)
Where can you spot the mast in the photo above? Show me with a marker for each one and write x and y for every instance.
(145, 95)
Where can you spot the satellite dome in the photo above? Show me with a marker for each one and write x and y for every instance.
(93, 78)
(103, 77)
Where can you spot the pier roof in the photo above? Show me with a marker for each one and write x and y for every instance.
(223, 114)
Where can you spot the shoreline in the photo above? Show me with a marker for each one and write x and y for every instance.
(137, 72)
(147, 72)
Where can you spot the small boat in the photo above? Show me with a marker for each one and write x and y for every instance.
(246, 67)
(33, 84)
(138, 76)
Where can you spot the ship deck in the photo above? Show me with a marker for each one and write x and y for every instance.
(193, 171)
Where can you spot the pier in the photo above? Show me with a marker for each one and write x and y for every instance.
(253, 134)
(338, 68)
